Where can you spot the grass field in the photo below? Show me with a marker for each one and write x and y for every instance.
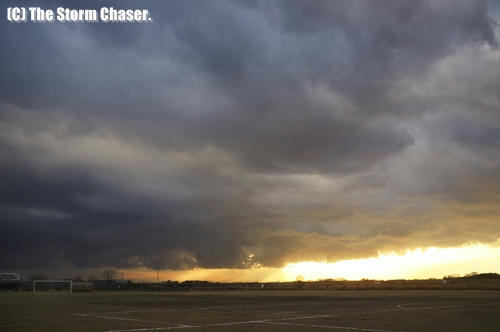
(443, 310)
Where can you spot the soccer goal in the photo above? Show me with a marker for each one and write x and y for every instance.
(52, 286)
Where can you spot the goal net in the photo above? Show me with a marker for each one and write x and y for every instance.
(52, 286)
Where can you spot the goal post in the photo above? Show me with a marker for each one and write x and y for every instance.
(53, 286)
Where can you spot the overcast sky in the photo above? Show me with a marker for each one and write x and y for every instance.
(234, 134)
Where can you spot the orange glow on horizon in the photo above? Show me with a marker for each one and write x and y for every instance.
(425, 263)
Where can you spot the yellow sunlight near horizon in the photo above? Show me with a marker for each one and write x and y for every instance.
(425, 263)
(413, 264)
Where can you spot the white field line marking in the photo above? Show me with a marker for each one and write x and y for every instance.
(303, 317)
(277, 320)
(256, 305)
(109, 317)
(331, 327)
(180, 326)
(404, 306)
(92, 315)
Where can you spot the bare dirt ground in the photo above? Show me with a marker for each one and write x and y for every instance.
(373, 310)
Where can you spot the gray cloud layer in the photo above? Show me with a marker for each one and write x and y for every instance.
(290, 130)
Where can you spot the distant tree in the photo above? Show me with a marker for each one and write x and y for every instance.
(77, 278)
(38, 276)
(299, 278)
(471, 274)
(92, 278)
(485, 276)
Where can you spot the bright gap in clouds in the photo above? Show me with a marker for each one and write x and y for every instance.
(413, 264)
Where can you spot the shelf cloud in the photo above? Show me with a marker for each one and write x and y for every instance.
(239, 134)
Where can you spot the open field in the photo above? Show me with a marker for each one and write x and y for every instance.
(374, 310)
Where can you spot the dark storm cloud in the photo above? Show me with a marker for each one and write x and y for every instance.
(287, 130)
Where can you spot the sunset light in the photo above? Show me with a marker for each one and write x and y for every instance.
(425, 263)
(413, 264)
